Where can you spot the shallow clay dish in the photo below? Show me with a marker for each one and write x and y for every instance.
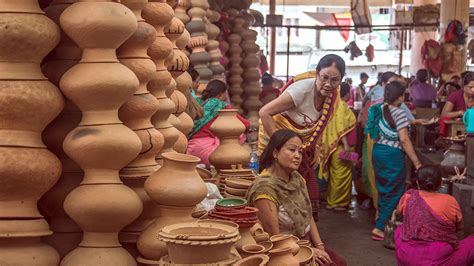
(232, 202)
(254, 260)
(237, 183)
(204, 173)
(236, 191)
(304, 255)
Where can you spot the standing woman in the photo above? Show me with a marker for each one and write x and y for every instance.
(388, 125)
(311, 106)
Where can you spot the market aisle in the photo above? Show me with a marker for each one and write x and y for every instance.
(349, 234)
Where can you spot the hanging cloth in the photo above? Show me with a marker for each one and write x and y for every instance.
(361, 16)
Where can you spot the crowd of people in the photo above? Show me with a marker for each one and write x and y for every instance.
(318, 134)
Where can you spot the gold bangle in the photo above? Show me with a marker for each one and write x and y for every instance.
(319, 244)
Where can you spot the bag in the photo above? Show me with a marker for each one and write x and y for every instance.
(389, 230)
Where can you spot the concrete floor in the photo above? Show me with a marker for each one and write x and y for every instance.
(348, 233)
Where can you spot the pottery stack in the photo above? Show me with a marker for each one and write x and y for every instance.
(159, 14)
(176, 188)
(136, 114)
(201, 242)
(67, 234)
(29, 102)
(251, 75)
(224, 46)
(234, 77)
(213, 45)
(177, 63)
(235, 182)
(101, 145)
(197, 28)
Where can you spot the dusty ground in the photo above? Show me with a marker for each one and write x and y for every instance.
(348, 233)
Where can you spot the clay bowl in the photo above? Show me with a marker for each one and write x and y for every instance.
(251, 249)
(262, 237)
(237, 183)
(267, 245)
(283, 240)
(199, 231)
(236, 191)
(204, 173)
(234, 203)
(199, 214)
(304, 255)
(228, 195)
(236, 171)
(255, 260)
(304, 242)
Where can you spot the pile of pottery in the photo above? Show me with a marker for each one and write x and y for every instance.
(234, 210)
(200, 242)
(235, 182)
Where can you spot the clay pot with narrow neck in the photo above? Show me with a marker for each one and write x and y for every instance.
(177, 183)
(282, 256)
(454, 156)
(228, 128)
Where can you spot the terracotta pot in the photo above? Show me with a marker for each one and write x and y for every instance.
(148, 244)
(228, 128)
(256, 229)
(177, 183)
(26, 251)
(303, 242)
(454, 156)
(255, 260)
(282, 241)
(282, 256)
(262, 237)
(251, 249)
(246, 239)
(304, 255)
(268, 245)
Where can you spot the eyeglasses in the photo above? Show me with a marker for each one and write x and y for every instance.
(334, 81)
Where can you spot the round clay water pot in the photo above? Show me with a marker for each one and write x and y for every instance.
(254, 260)
(283, 240)
(177, 183)
(282, 256)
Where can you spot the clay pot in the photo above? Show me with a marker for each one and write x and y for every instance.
(454, 156)
(251, 249)
(268, 245)
(255, 260)
(199, 242)
(282, 256)
(257, 229)
(148, 244)
(303, 242)
(282, 241)
(246, 239)
(304, 255)
(228, 128)
(262, 237)
(26, 251)
(177, 183)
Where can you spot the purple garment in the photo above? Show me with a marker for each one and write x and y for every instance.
(416, 253)
(422, 94)
(420, 222)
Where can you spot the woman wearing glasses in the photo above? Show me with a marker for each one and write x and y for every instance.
(311, 106)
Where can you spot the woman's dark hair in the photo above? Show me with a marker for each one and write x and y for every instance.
(455, 85)
(267, 79)
(422, 75)
(213, 89)
(363, 75)
(276, 142)
(429, 177)
(386, 76)
(468, 77)
(393, 91)
(345, 89)
(193, 73)
(329, 60)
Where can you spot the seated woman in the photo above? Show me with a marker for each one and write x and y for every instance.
(281, 196)
(202, 142)
(458, 102)
(387, 125)
(430, 221)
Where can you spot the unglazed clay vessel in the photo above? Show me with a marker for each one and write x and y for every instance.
(136, 114)
(254, 260)
(235, 57)
(282, 256)
(251, 249)
(213, 45)
(282, 241)
(228, 128)
(159, 14)
(101, 145)
(29, 102)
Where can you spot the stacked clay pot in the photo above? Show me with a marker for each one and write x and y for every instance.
(101, 145)
(176, 188)
(29, 102)
(224, 46)
(234, 78)
(180, 11)
(66, 233)
(251, 75)
(236, 187)
(213, 45)
(177, 63)
(159, 14)
(136, 114)
(199, 243)
(197, 28)
(228, 128)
